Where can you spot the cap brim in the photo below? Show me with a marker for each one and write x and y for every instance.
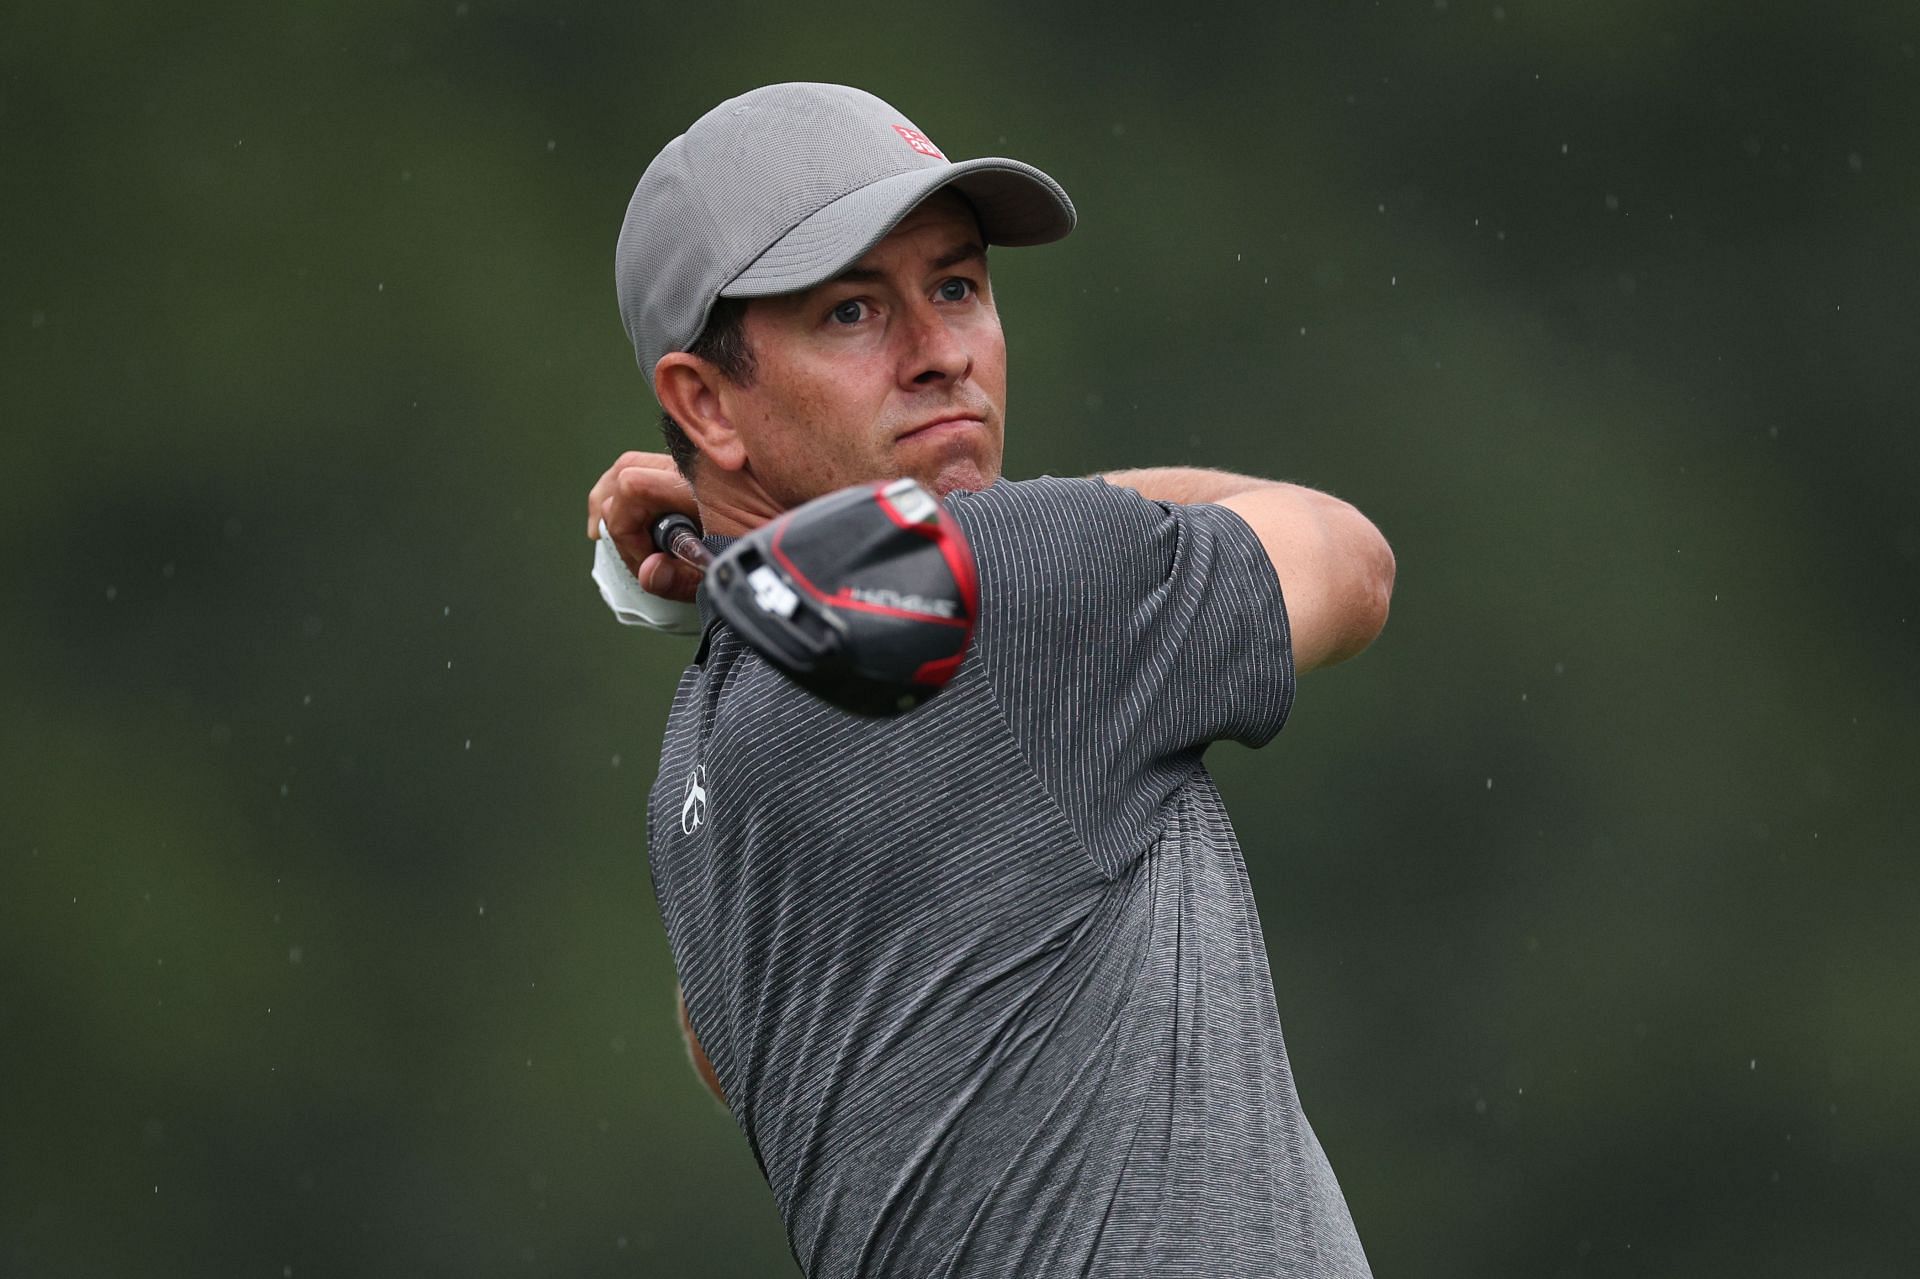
(1016, 203)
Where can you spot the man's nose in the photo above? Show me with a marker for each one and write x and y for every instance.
(934, 351)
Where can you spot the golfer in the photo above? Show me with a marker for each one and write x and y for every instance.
(983, 985)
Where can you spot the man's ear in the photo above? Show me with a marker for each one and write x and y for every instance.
(688, 388)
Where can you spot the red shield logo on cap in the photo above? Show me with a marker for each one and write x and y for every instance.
(918, 141)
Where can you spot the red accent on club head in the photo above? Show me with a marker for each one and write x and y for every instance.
(936, 673)
(943, 531)
(959, 557)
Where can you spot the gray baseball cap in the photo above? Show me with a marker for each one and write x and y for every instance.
(785, 187)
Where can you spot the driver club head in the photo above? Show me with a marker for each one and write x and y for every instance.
(866, 597)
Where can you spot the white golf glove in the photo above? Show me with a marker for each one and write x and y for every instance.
(631, 603)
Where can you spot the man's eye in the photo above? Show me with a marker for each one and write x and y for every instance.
(956, 290)
(849, 312)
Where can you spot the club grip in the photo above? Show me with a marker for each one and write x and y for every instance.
(679, 536)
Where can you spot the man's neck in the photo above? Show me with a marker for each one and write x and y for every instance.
(732, 504)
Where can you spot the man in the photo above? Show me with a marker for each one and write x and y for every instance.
(983, 985)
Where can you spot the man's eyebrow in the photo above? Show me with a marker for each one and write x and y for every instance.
(971, 251)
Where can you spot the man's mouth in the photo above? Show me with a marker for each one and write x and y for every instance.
(945, 424)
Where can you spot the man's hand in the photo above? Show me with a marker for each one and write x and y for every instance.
(637, 490)
(701, 1065)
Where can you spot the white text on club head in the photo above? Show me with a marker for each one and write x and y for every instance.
(772, 594)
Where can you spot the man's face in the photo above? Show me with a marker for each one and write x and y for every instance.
(895, 367)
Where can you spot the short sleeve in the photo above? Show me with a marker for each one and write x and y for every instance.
(1121, 637)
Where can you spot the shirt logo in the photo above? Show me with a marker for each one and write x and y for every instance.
(693, 809)
(918, 141)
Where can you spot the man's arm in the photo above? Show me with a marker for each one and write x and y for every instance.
(1335, 568)
(701, 1065)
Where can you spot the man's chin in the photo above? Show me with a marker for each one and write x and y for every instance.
(959, 477)
(970, 468)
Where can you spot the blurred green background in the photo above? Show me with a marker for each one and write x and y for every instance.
(327, 945)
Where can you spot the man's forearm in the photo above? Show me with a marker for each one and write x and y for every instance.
(1187, 484)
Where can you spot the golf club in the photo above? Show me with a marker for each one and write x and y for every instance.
(866, 597)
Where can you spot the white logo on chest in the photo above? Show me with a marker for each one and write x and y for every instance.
(693, 809)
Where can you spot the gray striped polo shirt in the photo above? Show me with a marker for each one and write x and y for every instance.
(985, 985)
